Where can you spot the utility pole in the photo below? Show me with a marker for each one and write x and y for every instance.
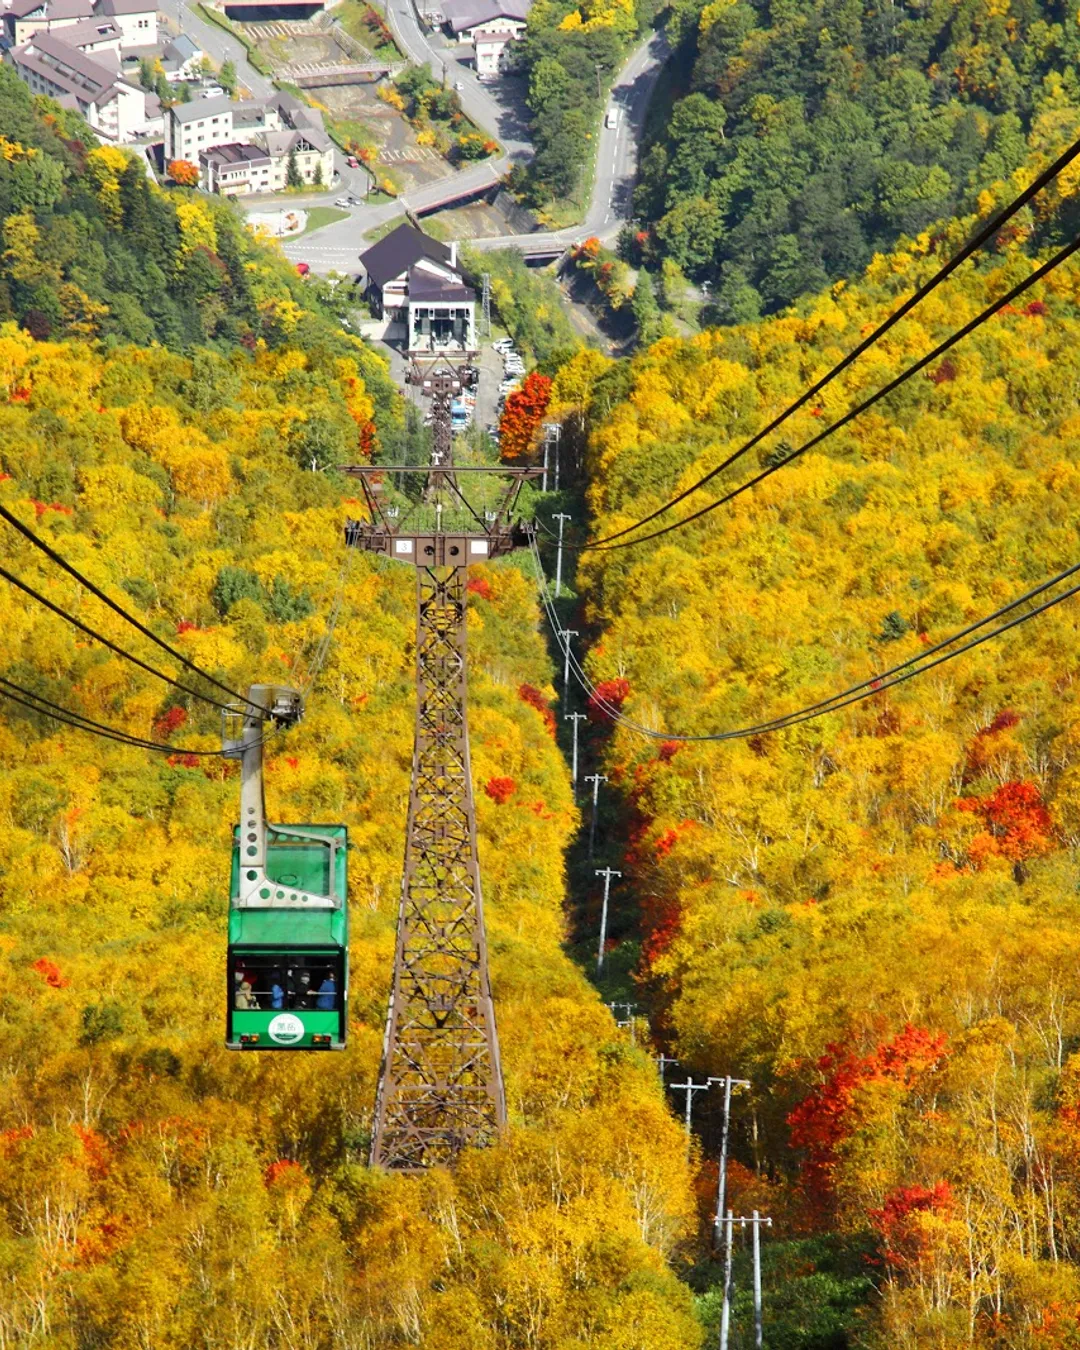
(595, 779)
(440, 1082)
(721, 1191)
(565, 634)
(607, 873)
(575, 718)
(689, 1087)
(756, 1221)
(663, 1061)
(562, 518)
(631, 1008)
(552, 436)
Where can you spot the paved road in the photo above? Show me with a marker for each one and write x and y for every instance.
(496, 107)
(616, 156)
(217, 44)
(336, 247)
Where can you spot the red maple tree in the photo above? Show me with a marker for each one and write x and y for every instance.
(903, 1242)
(528, 693)
(824, 1119)
(1017, 824)
(522, 414)
(609, 697)
(500, 790)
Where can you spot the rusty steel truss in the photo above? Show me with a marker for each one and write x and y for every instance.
(440, 1084)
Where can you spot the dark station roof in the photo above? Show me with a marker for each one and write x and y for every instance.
(426, 288)
(399, 251)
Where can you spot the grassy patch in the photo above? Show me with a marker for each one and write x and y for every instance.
(381, 231)
(318, 216)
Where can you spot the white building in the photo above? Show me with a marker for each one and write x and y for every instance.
(23, 18)
(235, 170)
(92, 37)
(410, 277)
(114, 108)
(182, 59)
(463, 19)
(137, 20)
(262, 138)
(493, 46)
(191, 128)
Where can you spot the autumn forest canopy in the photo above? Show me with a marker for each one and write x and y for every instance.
(872, 917)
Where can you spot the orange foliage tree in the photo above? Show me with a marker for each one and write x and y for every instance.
(522, 415)
(185, 173)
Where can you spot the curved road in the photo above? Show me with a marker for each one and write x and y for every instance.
(336, 247)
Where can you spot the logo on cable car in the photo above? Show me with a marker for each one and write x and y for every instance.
(285, 1029)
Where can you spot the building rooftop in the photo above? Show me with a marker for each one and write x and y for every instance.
(182, 48)
(89, 31)
(427, 289)
(463, 14)
(126, 7)
(234, 153)
(281, 142)
(199, 108)
(51, 9)
(87, 77)
(399, 251)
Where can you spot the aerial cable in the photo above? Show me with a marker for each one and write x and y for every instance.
(58, 713)
(60, 561)
(120, 651)
(976, 242)
(47, 708)
(860, 408)
(905, 670)
(319, 655)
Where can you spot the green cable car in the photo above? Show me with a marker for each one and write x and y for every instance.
(288, 909)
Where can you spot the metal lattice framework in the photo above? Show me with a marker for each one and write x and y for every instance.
(441, 1086)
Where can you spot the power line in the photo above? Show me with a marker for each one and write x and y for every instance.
(81, 723)
(976, 242)
(60, 561)
(57, 713)
(849, 416)
(899, 674)
(98, 637)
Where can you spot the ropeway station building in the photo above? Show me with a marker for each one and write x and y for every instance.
(414, 280)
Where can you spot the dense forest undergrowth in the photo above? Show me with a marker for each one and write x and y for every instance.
(155, 1190)
(792, 141)
(872, 916)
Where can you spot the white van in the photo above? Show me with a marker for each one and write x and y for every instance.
(611, 121)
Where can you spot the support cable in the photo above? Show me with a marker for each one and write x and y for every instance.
(120, 651)
(60, 561)
(981, 237)
(898, 674)
(860, 408)
(47, 708)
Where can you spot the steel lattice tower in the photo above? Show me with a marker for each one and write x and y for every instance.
(440, 1085)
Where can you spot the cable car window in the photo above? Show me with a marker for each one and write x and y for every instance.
(282, 981)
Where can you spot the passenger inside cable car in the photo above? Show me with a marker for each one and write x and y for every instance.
(280, 981)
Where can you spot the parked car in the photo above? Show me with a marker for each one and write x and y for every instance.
(503, 345)
(612, 119)
(343, 201)
(353, 162)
